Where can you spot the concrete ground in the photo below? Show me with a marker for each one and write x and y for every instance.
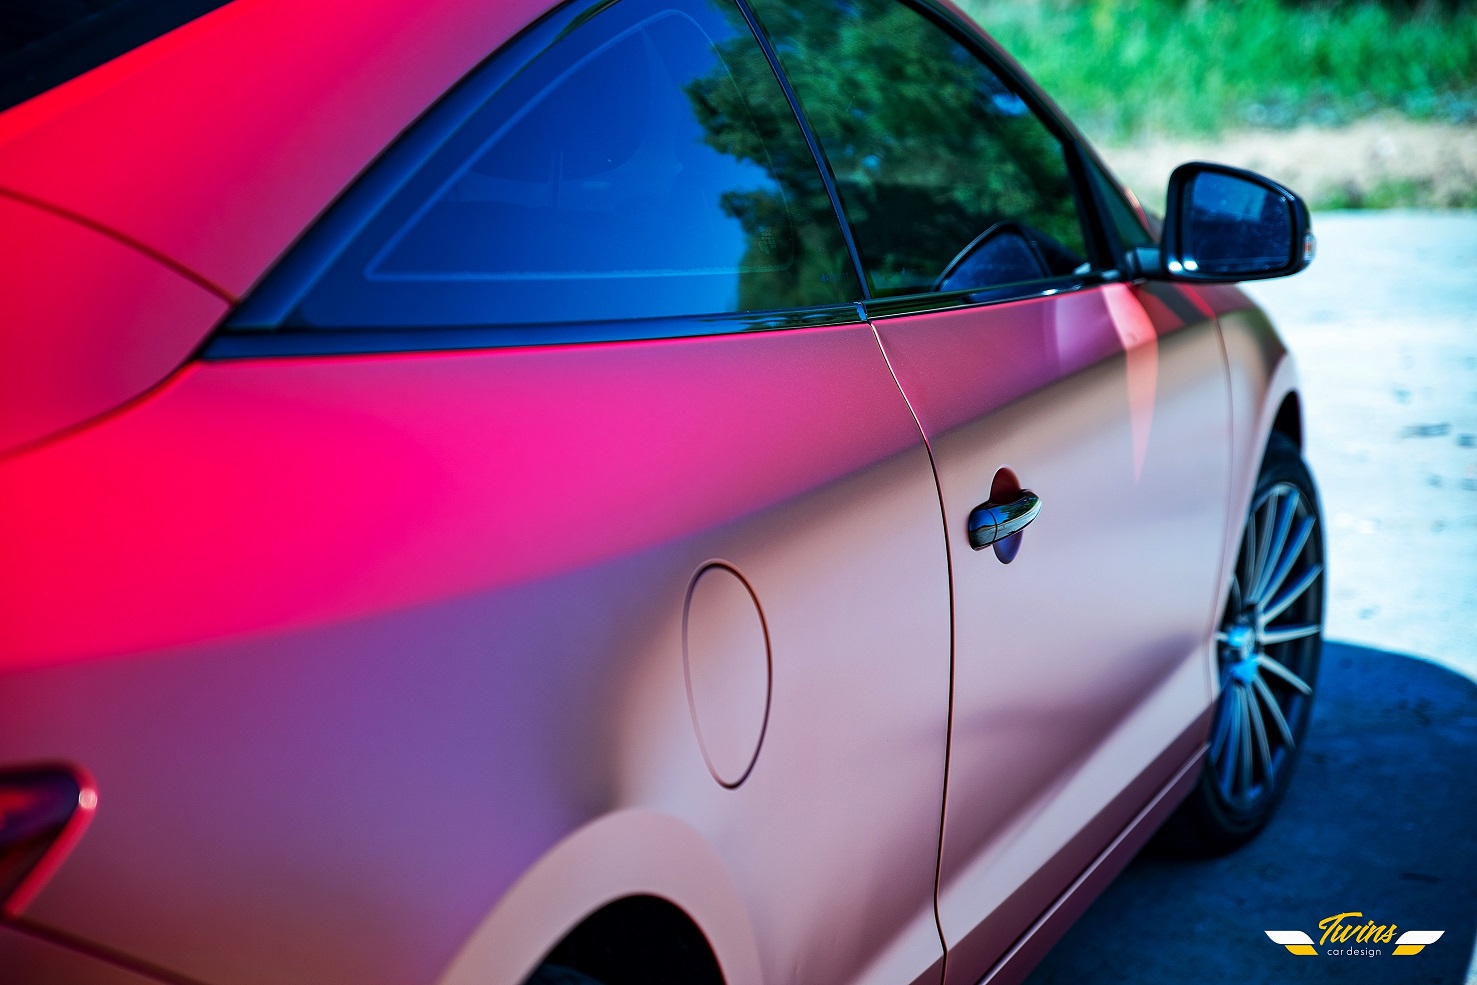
(1382, 817)
(1384, 328)
(1379, 820)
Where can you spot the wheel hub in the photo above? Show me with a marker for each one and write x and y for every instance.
(1241, 645)
(1241, 640)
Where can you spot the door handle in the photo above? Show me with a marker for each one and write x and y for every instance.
(990, 523)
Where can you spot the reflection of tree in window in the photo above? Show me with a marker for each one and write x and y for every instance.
(930, 149)
(763, 130)
(625, 166)
(606, 175)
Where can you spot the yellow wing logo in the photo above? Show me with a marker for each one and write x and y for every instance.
(1412, 941)
(1294, 940)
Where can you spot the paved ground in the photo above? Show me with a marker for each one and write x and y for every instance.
(1384, 325)
(1380, 821)
(1382, 818)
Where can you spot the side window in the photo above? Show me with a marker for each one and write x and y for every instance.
(646, 164)
(948, 179)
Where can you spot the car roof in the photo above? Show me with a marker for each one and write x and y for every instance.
(214, 146)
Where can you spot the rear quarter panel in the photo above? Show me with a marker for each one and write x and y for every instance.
(351, 643)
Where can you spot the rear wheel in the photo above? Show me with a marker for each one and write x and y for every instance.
(553, 974)
(1268, 643)
(636, 940)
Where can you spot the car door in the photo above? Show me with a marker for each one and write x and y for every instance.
(1081, 646)
(555, 476)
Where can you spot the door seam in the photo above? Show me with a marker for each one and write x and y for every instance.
(949, 722)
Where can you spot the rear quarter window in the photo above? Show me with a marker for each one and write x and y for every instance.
(645, 165)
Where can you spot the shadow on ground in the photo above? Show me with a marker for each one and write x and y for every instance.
(1381, 818)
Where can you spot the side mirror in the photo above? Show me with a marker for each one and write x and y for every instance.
(1224, 224)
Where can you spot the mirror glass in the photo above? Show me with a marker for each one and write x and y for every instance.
(1235, 227)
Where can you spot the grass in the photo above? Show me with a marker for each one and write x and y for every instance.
(1130, 68)
(1399, 193)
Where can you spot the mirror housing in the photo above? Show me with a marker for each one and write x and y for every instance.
(1225, 224)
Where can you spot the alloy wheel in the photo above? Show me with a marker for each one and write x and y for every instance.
(1268, 643)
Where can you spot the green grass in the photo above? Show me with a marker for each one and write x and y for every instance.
(1126, 68)
(1397, 194)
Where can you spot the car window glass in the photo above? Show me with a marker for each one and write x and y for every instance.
(645, 165)
(947, 178)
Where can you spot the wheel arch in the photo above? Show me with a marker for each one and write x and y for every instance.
(624, 854)
(1288, 420)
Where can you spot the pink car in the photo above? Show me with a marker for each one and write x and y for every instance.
(624, 491)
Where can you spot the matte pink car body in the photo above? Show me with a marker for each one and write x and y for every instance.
(386, 667)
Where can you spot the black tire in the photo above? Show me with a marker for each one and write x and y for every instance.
(1254, 744)
(553, 974)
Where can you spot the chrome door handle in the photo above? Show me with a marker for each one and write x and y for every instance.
(992, 522)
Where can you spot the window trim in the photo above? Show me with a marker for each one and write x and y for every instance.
(251, 344)
(932, 301)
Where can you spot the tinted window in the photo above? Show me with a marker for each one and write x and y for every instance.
(948, 179)
(646, 164)
(43, 43)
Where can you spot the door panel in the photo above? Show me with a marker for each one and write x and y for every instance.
(348, 643)
(1080, 662)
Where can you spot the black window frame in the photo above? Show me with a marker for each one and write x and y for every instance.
(257, 326)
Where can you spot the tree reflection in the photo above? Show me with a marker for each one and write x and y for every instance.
(928, 147)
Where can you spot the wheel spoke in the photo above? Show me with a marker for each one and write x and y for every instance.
(1282, 524)
(1270, 700)
(1245, 756)
(1286, 634)
(1222, 725)
(1248, 549)
(1291, 595)
(1259, 732)
(1237, 603)
(1288, 558)
(1263, 539)
(1267, 663)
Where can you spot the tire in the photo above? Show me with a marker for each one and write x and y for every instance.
(553, 974)
(1268, 646)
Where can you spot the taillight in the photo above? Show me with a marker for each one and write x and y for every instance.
(43, 810)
